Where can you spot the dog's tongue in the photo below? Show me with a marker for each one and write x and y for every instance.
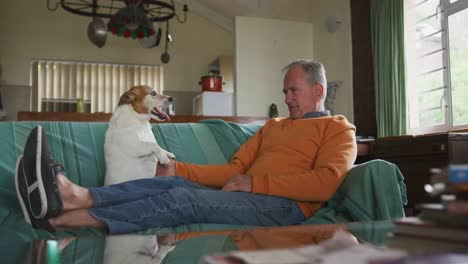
(161, 114)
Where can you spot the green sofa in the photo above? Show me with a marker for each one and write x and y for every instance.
(79, 147)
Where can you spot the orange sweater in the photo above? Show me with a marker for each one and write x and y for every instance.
(304, 160)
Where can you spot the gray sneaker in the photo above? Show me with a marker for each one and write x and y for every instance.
(40, 170)
(22, 193)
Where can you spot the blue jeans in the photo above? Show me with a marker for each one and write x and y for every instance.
(170, 201)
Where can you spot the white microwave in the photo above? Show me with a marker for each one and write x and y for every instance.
(213, 104)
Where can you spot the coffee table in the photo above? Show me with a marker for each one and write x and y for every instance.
(180, 247)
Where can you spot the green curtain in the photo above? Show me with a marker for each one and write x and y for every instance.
(387, 33)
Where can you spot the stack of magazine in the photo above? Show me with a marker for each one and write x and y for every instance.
(439, 227)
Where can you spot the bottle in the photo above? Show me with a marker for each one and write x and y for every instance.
(171, 106)
(80, 105)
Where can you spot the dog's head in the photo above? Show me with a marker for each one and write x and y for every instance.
(145, 100)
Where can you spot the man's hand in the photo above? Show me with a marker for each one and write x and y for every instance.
(239, 182)
(166, 169)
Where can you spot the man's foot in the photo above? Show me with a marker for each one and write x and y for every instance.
(39, 171)
(22, 192)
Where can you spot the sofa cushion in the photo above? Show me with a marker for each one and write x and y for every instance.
(79, 146)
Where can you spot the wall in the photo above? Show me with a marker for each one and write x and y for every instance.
(183, 101)
(263, 47)
(29, 31)
(334, 50)
(227, 71)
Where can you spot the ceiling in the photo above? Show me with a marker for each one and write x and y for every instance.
(232, 8)
(223, 12)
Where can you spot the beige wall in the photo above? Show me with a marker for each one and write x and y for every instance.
(334, 50)
(226, 66)
(263, 47)
(29, 31)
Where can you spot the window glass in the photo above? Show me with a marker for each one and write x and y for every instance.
(429, 63)
(424, 62)
(458, 43)
(429, 81)
(429, 43)
(430, 100)
(436, 49)
(431, 118)
(423, 9)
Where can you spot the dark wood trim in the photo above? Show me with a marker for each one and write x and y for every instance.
(415, 155)
(419, 136)
(363, 71)
(104, 117)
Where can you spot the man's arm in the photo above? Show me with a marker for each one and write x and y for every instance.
(217, 175)
(334, 159)
(238, 182)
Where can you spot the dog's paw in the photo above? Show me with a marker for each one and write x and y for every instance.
(170, 155)
(163, 159)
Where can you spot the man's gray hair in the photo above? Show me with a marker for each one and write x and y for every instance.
(314, 71)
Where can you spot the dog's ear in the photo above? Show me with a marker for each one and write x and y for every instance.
(127, 98)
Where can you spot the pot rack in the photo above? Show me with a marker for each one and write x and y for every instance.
(156, 11)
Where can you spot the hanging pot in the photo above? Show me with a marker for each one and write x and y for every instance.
(211, 83)
(97, 32)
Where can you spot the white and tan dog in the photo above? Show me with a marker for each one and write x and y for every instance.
(130, 148)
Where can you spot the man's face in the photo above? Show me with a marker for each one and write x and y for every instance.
(300, 96)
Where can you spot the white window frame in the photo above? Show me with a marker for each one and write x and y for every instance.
(448, 9)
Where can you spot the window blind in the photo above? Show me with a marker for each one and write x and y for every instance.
(100, 83)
